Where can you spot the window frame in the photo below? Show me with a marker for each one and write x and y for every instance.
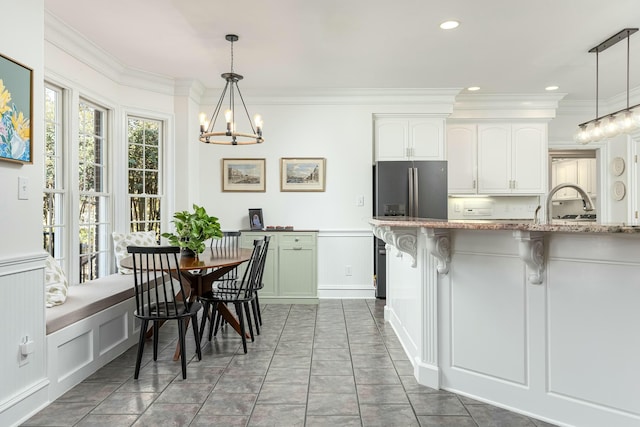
(59, 190)
(133, 225)
(103, 253)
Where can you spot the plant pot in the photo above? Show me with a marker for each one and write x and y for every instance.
(187, 253)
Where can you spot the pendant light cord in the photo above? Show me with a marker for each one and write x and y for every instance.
(597, 74)
(628, 50)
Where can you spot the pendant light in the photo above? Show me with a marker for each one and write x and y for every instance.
(228, 134)
(623, 121)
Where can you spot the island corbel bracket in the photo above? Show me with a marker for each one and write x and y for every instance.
(403, 239)
(531, 250)
(439, 245)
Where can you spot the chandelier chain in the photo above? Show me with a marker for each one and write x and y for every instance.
(232, 56)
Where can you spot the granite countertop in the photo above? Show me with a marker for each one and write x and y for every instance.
(280, 230)
(524, 225)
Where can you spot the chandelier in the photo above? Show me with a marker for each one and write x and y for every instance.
(208, 132)
(620, 122)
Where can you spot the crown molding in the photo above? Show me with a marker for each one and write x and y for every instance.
(424, 100)
(506, 106)
(192, 89)
(70, 41)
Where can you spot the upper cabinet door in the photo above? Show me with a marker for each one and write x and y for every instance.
(391, 139)
(426, 139)
(529, 158)
(462, 158)
(409, 138)
(494, 159)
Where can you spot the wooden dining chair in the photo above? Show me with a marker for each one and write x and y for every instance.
(259, 284)
(160, 296)
(240, 293)
(228, 244)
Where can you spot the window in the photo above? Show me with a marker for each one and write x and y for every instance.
(79, 211)
(144, 159)
(94, 199)
(54, 184)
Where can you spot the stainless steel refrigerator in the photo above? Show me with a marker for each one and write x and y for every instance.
(410, 189)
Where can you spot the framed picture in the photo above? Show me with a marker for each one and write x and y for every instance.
(255, 219)
(243, 175)
(16, 110)
(302, 174)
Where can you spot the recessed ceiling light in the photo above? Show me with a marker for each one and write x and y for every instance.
(449, 25)
(473, 88)
(551, 88)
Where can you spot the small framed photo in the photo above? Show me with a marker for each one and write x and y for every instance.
(302, 174)
(255, 219)
(16, 111)
(243, 175)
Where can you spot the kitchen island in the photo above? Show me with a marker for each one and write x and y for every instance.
(541, 319)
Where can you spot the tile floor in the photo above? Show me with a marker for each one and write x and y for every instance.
(334, 364)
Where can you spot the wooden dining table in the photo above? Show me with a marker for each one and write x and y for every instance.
(200, 272)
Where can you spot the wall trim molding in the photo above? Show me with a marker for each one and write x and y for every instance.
(26, 262)
(507, 106)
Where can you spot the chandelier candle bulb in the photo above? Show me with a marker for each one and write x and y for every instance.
(203, 121)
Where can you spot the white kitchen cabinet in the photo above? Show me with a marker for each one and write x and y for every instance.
(566, 171)
(574, 171)
(512, 158)
(404, 138)
(462, 158)
(290, 273)
(587, 176)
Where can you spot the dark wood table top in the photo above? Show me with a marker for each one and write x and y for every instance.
(210, 258)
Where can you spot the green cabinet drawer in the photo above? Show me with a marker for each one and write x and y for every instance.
(297, 239)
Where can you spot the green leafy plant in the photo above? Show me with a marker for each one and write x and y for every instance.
(193, 229)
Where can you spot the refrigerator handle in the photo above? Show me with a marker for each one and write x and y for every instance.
(416, 192)
(411, 192)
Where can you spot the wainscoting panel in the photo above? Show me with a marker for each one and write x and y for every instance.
(489, 317)
(604, 301)
(23, 380)
(345, 264)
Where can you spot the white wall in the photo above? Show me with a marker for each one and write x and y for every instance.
(22, 385)
(23, 21)
(342, 134)
(338, 127)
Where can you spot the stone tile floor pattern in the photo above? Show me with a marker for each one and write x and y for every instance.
(332, 364)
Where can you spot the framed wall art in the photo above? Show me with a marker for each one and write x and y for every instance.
(256, 221)
(243, 175)
(302, 174)
(16, 110)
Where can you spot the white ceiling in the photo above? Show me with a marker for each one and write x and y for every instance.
(503, 46)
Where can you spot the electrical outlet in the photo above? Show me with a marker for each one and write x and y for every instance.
(347, 270)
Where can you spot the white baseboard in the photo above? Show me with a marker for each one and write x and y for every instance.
(346, 292)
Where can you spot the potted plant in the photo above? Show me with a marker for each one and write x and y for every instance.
(192, 230)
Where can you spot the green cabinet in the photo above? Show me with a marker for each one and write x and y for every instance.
(291, 272)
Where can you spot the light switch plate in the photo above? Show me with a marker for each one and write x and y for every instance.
(23, 188)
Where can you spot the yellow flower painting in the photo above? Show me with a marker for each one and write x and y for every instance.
(15, 111)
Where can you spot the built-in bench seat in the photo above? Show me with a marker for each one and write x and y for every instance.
(94, 326)
(89, 298)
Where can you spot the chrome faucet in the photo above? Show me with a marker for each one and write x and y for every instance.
(587, 203)
(536, 220)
